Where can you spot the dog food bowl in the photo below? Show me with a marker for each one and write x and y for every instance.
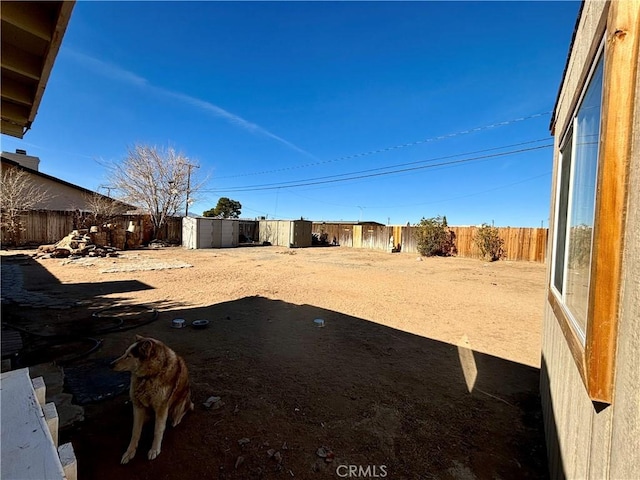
(178, 323)
(200, 324)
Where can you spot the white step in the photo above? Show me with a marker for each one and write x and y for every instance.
(28, 445)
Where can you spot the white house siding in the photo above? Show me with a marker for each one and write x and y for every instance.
(584, 443)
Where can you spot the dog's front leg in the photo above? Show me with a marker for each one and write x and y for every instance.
(138, 421)
(158, 432)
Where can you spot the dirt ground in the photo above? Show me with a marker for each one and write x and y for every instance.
(424, 369)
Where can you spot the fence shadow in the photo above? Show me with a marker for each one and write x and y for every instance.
(373, 395)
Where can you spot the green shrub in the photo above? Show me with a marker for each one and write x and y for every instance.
(489, 242)
(433, 237)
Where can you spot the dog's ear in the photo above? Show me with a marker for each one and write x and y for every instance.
(145, 347)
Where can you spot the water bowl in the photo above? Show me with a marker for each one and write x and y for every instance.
(200, 324)
(178, 323)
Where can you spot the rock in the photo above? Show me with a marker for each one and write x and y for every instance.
(277, 457)
(46, 248)
(322, 452)
(243, 441)
(210, 401)
(271, 452)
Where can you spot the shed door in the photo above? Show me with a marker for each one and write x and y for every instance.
(357, 236)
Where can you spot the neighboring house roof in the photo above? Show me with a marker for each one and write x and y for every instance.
(31, 36)
(8, 159)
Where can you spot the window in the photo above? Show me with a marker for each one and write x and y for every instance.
(576, 206)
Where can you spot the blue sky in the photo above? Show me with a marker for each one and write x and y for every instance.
(384, 111)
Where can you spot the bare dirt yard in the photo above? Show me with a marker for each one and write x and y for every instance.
(424, 369)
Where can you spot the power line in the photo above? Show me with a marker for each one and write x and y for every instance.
(444, 200)
(376, 207)
(365, 174)
(401, 164)
(395, 147)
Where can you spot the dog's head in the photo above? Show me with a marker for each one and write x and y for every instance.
(137, 357)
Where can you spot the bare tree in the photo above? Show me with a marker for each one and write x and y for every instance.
(103, 209)
(157, 180)
(18, 194)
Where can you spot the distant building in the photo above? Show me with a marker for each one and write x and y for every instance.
(62, 195)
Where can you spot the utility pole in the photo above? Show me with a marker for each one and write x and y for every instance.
(108, 188)
(186, 208)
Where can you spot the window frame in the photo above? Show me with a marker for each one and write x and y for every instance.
(617, 40)
(570, 139)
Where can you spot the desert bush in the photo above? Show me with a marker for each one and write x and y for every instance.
(489, 242)
(580, 246)
(433, 237)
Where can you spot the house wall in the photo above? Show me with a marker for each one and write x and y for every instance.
(60, 196)
(587, 440)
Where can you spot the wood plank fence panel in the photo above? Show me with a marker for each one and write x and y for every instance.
(49, 226)
(520, 244)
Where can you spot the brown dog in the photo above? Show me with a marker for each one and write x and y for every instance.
(159, 382)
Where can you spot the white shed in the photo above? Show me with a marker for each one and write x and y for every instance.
(203, 232)
(286, 233)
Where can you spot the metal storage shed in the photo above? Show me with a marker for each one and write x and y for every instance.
(203, 232)
(286, 233)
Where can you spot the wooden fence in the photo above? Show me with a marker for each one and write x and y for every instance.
(49, 226)
(528, 244)
(521, 244)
